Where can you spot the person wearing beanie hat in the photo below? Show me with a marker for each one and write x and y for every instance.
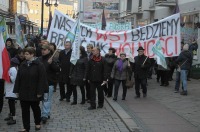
(186, 47)
(14, 62)
(184, 62)
(11, 48)
(51, 67)
(9, 86)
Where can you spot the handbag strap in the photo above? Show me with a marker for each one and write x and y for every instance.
(184, 62)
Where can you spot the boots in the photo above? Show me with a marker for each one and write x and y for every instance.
(12, 120)
(183, 93)
(9, 117)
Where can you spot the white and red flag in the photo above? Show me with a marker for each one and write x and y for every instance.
(4, 60)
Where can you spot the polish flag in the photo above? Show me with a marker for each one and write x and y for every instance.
(4, 60)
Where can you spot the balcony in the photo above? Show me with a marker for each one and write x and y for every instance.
(165, 2)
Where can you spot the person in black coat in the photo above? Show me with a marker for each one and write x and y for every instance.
(11, 48)
(30, 85)
(110, 59)
(87, 84)
(97, 78)
(65, 64)
(140, 67)
(51, 68)
(78, 74)
(184, 62)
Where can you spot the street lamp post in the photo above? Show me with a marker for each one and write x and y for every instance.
(47, 3)
(42, 17)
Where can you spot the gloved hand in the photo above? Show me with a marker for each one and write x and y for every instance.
(39, 96)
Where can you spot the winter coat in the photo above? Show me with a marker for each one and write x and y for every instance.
(97, 71)
(9, 86)
(185, 60)
(65, 64)
(31, 81)
(116, 74)
(51, 69)
(140, 71)
(12, 51)
(78, 72)
(110, 61)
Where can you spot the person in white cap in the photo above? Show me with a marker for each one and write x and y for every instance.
(184, 62)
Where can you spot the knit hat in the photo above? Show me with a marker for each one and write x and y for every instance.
(14, 61)
(46, 46)
(185, 47)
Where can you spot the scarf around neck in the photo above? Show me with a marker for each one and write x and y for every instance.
(120, 65)
(96, 58)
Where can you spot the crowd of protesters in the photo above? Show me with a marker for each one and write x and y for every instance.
(37, 69)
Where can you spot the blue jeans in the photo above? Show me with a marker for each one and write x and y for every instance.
(184, 79)
(46, 104)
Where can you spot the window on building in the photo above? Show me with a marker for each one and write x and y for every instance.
(36, 11)
(129, 5)
(37, 21)
(140, 3)
(189, 30)
(31, 11)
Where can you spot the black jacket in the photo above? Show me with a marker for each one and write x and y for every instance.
(78, 72)
(97, 71)
(140, 71)
(31, 81)
(65, 64)
(185, 60)
(51, 69)
(110, 61)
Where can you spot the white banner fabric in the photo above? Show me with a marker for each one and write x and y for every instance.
(128, 41)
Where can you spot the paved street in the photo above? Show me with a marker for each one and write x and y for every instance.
(163, 110)
(67, 118)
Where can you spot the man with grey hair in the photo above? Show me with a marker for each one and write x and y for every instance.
(97, 77)
(184, 62)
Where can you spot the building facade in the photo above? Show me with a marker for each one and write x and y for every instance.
(143, 12)
(8, 8)
(35, 10)
(91, 10)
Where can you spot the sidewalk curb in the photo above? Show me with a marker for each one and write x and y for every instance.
(126, 118)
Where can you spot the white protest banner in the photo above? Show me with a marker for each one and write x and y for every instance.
(112, 26)
(167, 30)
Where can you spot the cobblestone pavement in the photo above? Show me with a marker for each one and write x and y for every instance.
(67, 118)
